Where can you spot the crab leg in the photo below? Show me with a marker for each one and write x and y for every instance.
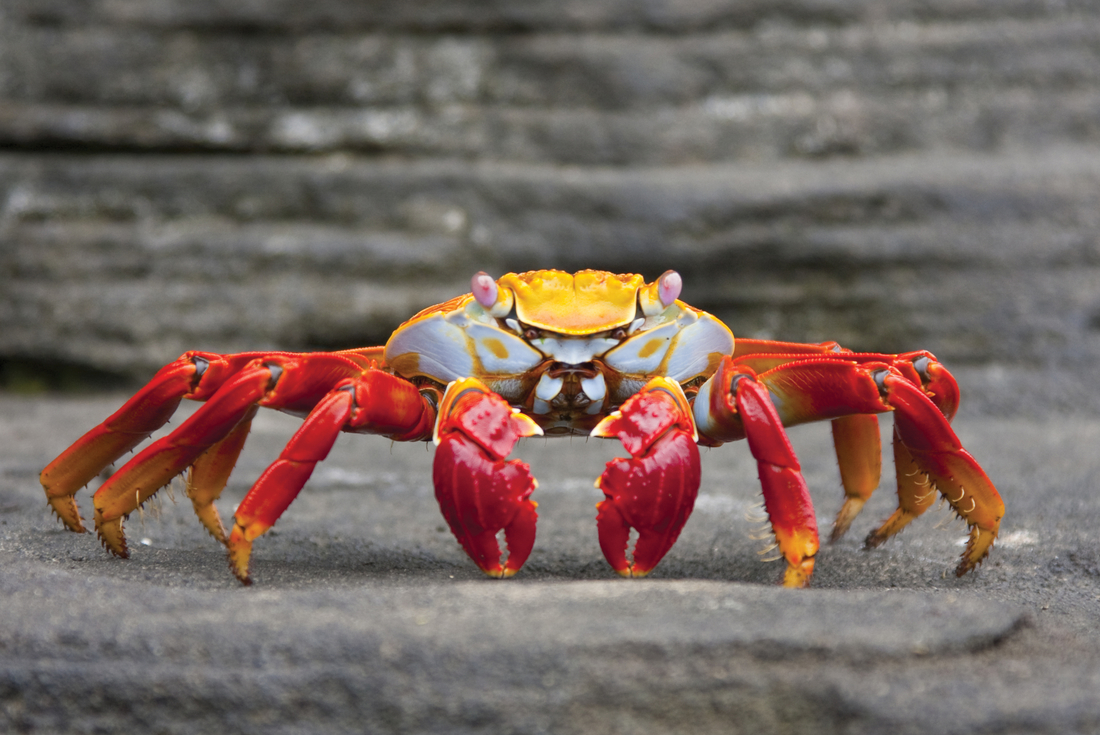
(209, 474)
(736, 404)
(283, 381)
(374, 403)
(122, 431)
(479, 493)
(856, 437)
(927, 451)
(937, 452)
(916, 494)
(925, 447)
(654, 491)
(194, 375)
(859, 454)
(281, 482)
(158, 463)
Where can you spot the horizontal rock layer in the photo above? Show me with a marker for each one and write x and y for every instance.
(236, 176)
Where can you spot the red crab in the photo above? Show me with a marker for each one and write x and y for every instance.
(548, 352)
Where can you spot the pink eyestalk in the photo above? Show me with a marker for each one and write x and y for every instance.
(484, 289)
(669, 286)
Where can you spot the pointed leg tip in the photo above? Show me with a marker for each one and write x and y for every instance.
(66, 511)
(111, 535)
(239, 555)
(874, 540)
(977, 549)
(848, 513)
(240, 571)
(890, 527)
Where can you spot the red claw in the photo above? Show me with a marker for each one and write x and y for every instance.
(653, 491)
(479, 493)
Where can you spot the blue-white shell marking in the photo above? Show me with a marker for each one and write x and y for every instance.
(678, 344)
(460, 344)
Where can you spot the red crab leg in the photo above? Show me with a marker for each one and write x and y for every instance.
(937, 452)
(479, 493)
(194, 375)
(825, 388)
(286, 381)
(122, 431)
(374, 403)
(858, 453)
(654, 491)
(734, 404)
(153, 467)
(929, 455)
(281, 482)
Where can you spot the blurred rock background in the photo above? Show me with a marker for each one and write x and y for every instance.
(246, 175)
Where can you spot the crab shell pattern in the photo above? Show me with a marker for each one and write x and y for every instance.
(548, 352)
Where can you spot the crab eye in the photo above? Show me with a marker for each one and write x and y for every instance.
(530, 334)
(619, 334)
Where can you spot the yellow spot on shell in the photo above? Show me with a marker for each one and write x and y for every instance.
(496, 347)
(650, 347)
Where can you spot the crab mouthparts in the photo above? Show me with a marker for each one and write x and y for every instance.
(567, 386)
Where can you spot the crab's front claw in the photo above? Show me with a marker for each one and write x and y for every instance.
(480, 493)
(653, 491)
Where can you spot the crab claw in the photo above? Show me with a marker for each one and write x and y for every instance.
(653, 491)
(479, 493)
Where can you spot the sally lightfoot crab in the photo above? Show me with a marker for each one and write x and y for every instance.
(548, 352)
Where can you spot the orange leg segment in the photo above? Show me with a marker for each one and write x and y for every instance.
(859, 454)
(916, 494)
(209, 474)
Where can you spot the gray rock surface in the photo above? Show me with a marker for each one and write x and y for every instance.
(366, 616)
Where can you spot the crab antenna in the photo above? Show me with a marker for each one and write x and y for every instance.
(484, 289)
(668, 287)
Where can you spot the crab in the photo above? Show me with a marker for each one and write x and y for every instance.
(548, 353)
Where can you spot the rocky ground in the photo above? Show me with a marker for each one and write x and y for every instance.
(365, 614)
